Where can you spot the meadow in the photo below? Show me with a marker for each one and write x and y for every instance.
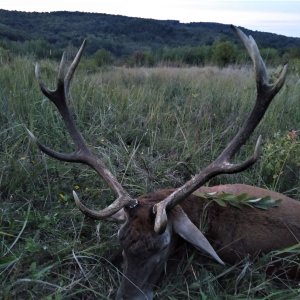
(153, 128)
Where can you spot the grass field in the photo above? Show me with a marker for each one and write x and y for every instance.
(153, 128)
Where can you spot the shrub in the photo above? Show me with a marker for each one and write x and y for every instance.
(281, 161)
(103, 58)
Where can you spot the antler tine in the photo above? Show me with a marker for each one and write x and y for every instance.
(258, 63)
(265, 93)
(59, 97)
(61, 70)
(73, 66)
(47, 92)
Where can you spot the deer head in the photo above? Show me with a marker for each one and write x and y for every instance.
(151, 223)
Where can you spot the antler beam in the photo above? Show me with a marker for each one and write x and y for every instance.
(60, 97)
(266, 91)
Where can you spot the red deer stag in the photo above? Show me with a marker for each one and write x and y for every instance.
(153, 222)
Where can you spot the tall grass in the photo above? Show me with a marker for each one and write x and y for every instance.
(153, 128)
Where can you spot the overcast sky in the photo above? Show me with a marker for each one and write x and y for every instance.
(277, 16)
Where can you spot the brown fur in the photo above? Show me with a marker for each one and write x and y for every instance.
(139, 233)
(236, 233)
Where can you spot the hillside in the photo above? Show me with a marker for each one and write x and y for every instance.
(119, 34)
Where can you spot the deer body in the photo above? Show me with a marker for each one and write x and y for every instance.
(234, 233)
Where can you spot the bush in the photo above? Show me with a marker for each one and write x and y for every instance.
(281, 161)
(141, 58)
(103, 58)
(224, 53)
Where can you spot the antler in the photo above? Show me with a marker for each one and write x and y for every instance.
(265, 93)
(60, 96)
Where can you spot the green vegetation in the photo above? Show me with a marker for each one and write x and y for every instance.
(238, 201)
(154, 128)
(134, 41)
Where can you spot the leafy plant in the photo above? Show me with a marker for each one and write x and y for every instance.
(102, 58)
(224, 199)
(280, 160)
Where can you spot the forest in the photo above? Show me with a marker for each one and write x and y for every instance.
(120, 40)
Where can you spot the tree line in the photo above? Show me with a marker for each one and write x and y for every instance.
(119, 40)
(220, 53)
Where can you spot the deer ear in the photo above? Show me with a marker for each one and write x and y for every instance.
(184, 227)
(118, 217)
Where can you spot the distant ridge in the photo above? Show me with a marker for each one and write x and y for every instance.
(122, 35)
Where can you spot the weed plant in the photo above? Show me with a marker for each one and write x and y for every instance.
(153, 128)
